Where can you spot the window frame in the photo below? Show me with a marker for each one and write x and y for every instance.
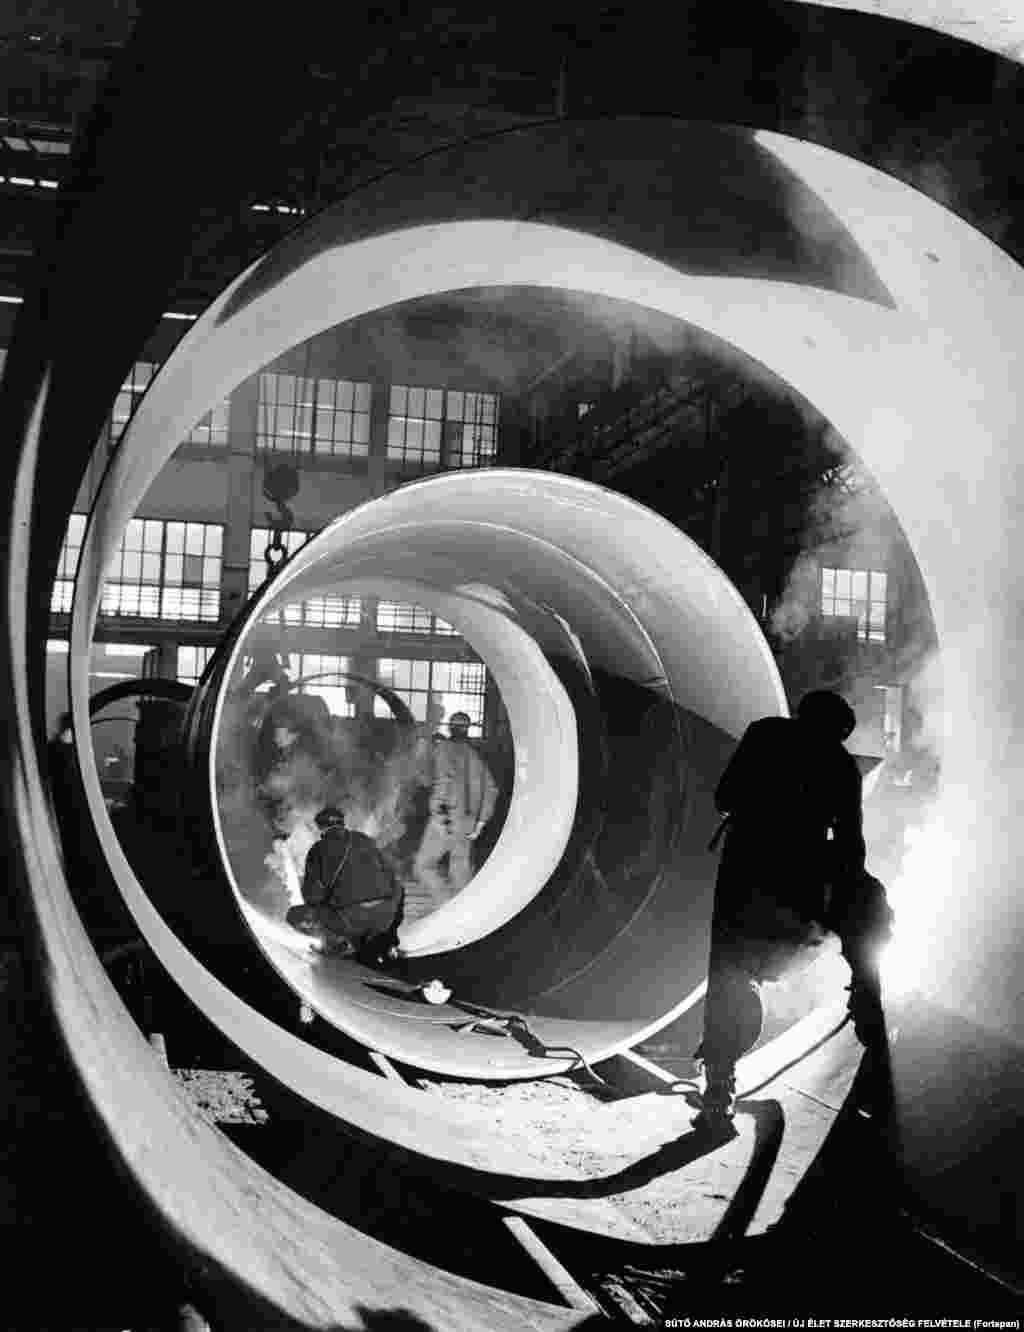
(437, 420)
(309, 396)
(424, 685)
(839, 586)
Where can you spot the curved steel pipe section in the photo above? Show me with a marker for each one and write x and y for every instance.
(812, 337)
(944, 360)
(614, 642)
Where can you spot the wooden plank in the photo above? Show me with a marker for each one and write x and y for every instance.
(559, 1276)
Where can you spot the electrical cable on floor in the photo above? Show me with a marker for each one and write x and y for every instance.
(511, 1024)
(824, 1040)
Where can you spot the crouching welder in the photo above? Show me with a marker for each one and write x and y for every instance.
(792, 864)
(351, 899)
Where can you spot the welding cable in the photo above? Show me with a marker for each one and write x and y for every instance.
(823, 1040)
(518, 1028)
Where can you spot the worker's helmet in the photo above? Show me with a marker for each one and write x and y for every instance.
(828, 714)
(330, 817)
(460, 720)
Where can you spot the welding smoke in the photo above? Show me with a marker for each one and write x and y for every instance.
(283, 759)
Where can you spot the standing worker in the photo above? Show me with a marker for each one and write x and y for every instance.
(462, 798)
(792, 862)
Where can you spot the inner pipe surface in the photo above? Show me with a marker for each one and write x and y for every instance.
(589, 918)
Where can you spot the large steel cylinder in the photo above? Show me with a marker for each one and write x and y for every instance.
(925, 383)
(628, 665)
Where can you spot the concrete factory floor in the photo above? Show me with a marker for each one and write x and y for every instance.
(810, 1208)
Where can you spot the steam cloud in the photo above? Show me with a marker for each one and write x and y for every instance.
(372, 771)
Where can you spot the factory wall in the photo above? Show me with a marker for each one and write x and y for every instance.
(453, 348)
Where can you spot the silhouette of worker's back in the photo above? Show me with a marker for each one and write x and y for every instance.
(793, 795)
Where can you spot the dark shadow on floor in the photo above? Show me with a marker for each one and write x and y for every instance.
(769, 1128)
(674, 1155)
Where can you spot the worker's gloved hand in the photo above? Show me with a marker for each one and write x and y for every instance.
(860, 910)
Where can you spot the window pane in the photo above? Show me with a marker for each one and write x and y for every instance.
(417, 401)
(859, 584)
(399, 399)
(843, 582)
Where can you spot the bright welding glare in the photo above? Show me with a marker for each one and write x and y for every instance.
(921, 897)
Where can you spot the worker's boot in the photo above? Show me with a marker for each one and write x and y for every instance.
(718, 1099)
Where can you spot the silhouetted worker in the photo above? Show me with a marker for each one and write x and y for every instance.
(792, 861)
(352, 901)
(462, 798)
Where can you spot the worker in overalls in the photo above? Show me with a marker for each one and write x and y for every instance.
(351, 899)
(792, 866)
(462, 798)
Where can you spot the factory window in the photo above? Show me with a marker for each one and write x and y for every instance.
(128, 397)
(118, 661)
(324, 676)
(400, 617)
(167, 571)
(192, 661)
(329, 612)
(324, 416)
(471, 429)
(456, 686)
(858, 594)
(64, 583)
(325, 612)
(442, 428)
(212, 429)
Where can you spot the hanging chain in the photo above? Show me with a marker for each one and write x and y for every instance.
(276, 552)
(279, 486)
